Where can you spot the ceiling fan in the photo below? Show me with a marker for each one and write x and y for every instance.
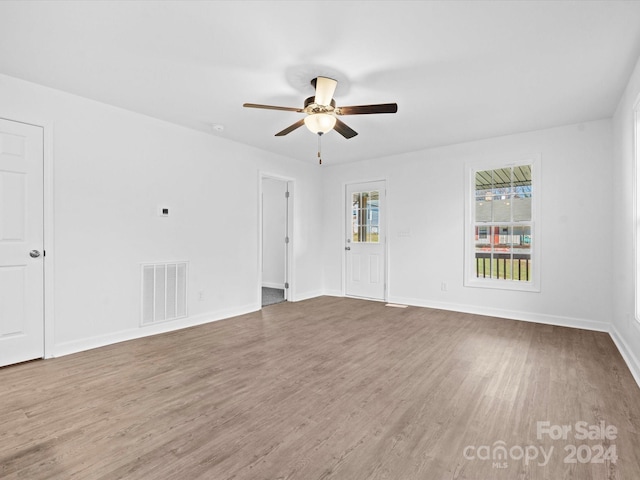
(322, 113)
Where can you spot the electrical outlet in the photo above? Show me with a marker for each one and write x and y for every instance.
(443, 286)
(201, 295)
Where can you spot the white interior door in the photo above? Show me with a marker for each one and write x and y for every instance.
(365, 250)
(21, 243)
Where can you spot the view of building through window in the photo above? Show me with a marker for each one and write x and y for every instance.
(503, 224)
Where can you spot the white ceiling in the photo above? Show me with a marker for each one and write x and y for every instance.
(459, 71)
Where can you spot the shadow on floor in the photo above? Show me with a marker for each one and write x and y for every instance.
(271, 296)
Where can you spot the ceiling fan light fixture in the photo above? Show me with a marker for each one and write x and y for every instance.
(320, 122)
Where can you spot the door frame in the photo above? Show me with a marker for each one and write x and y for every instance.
(289, 293)
(384, 224)
(48, 222)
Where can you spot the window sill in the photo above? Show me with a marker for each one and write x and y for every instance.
(503, 285)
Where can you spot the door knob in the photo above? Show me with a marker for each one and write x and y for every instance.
(34, 253)
(347, 248)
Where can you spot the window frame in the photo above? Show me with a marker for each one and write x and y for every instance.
(636, 208)
(470, 278)
(365, 230)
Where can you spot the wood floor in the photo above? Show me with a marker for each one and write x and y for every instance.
(328, 388)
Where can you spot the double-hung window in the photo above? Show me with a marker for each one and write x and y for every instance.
(501, 226)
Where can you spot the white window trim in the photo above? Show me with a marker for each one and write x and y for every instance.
(470, 279)
(636, 207)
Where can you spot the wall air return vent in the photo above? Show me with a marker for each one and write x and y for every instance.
(164, 292)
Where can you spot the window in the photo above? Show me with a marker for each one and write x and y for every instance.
(501, 241)
(365, 218)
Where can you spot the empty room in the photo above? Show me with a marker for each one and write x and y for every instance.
(314, 240)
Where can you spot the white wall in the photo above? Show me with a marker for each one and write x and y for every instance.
(425, 193)
(625, 328)
(111, 170)
(273, 232)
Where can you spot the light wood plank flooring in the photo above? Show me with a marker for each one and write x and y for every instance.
(328, 388)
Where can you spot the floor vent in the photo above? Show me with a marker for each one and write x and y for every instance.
(164, 292)
(396, 305)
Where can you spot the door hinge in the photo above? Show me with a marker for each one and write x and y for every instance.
(286, 194)
(286, 285)
(286, 239)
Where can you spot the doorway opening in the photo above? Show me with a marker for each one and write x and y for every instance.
(276, 239)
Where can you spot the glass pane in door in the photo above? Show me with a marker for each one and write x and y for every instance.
(355, 217)
(365, 217)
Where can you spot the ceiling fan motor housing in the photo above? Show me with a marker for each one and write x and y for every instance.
(311, 107)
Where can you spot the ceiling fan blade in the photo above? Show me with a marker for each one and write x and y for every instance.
(290, 128)
(272, 107)
(325, 88)
(366, 109)
(344, 130)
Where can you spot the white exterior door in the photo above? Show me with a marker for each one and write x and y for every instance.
(21, 243)
(365, 251)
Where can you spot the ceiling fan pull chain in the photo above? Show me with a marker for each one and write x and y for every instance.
(319, 148)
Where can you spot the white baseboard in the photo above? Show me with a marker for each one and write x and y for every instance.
(273, 285)
(75, 346)
(557, 320)
(307, 295)
(333, 293)
(627, 353)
